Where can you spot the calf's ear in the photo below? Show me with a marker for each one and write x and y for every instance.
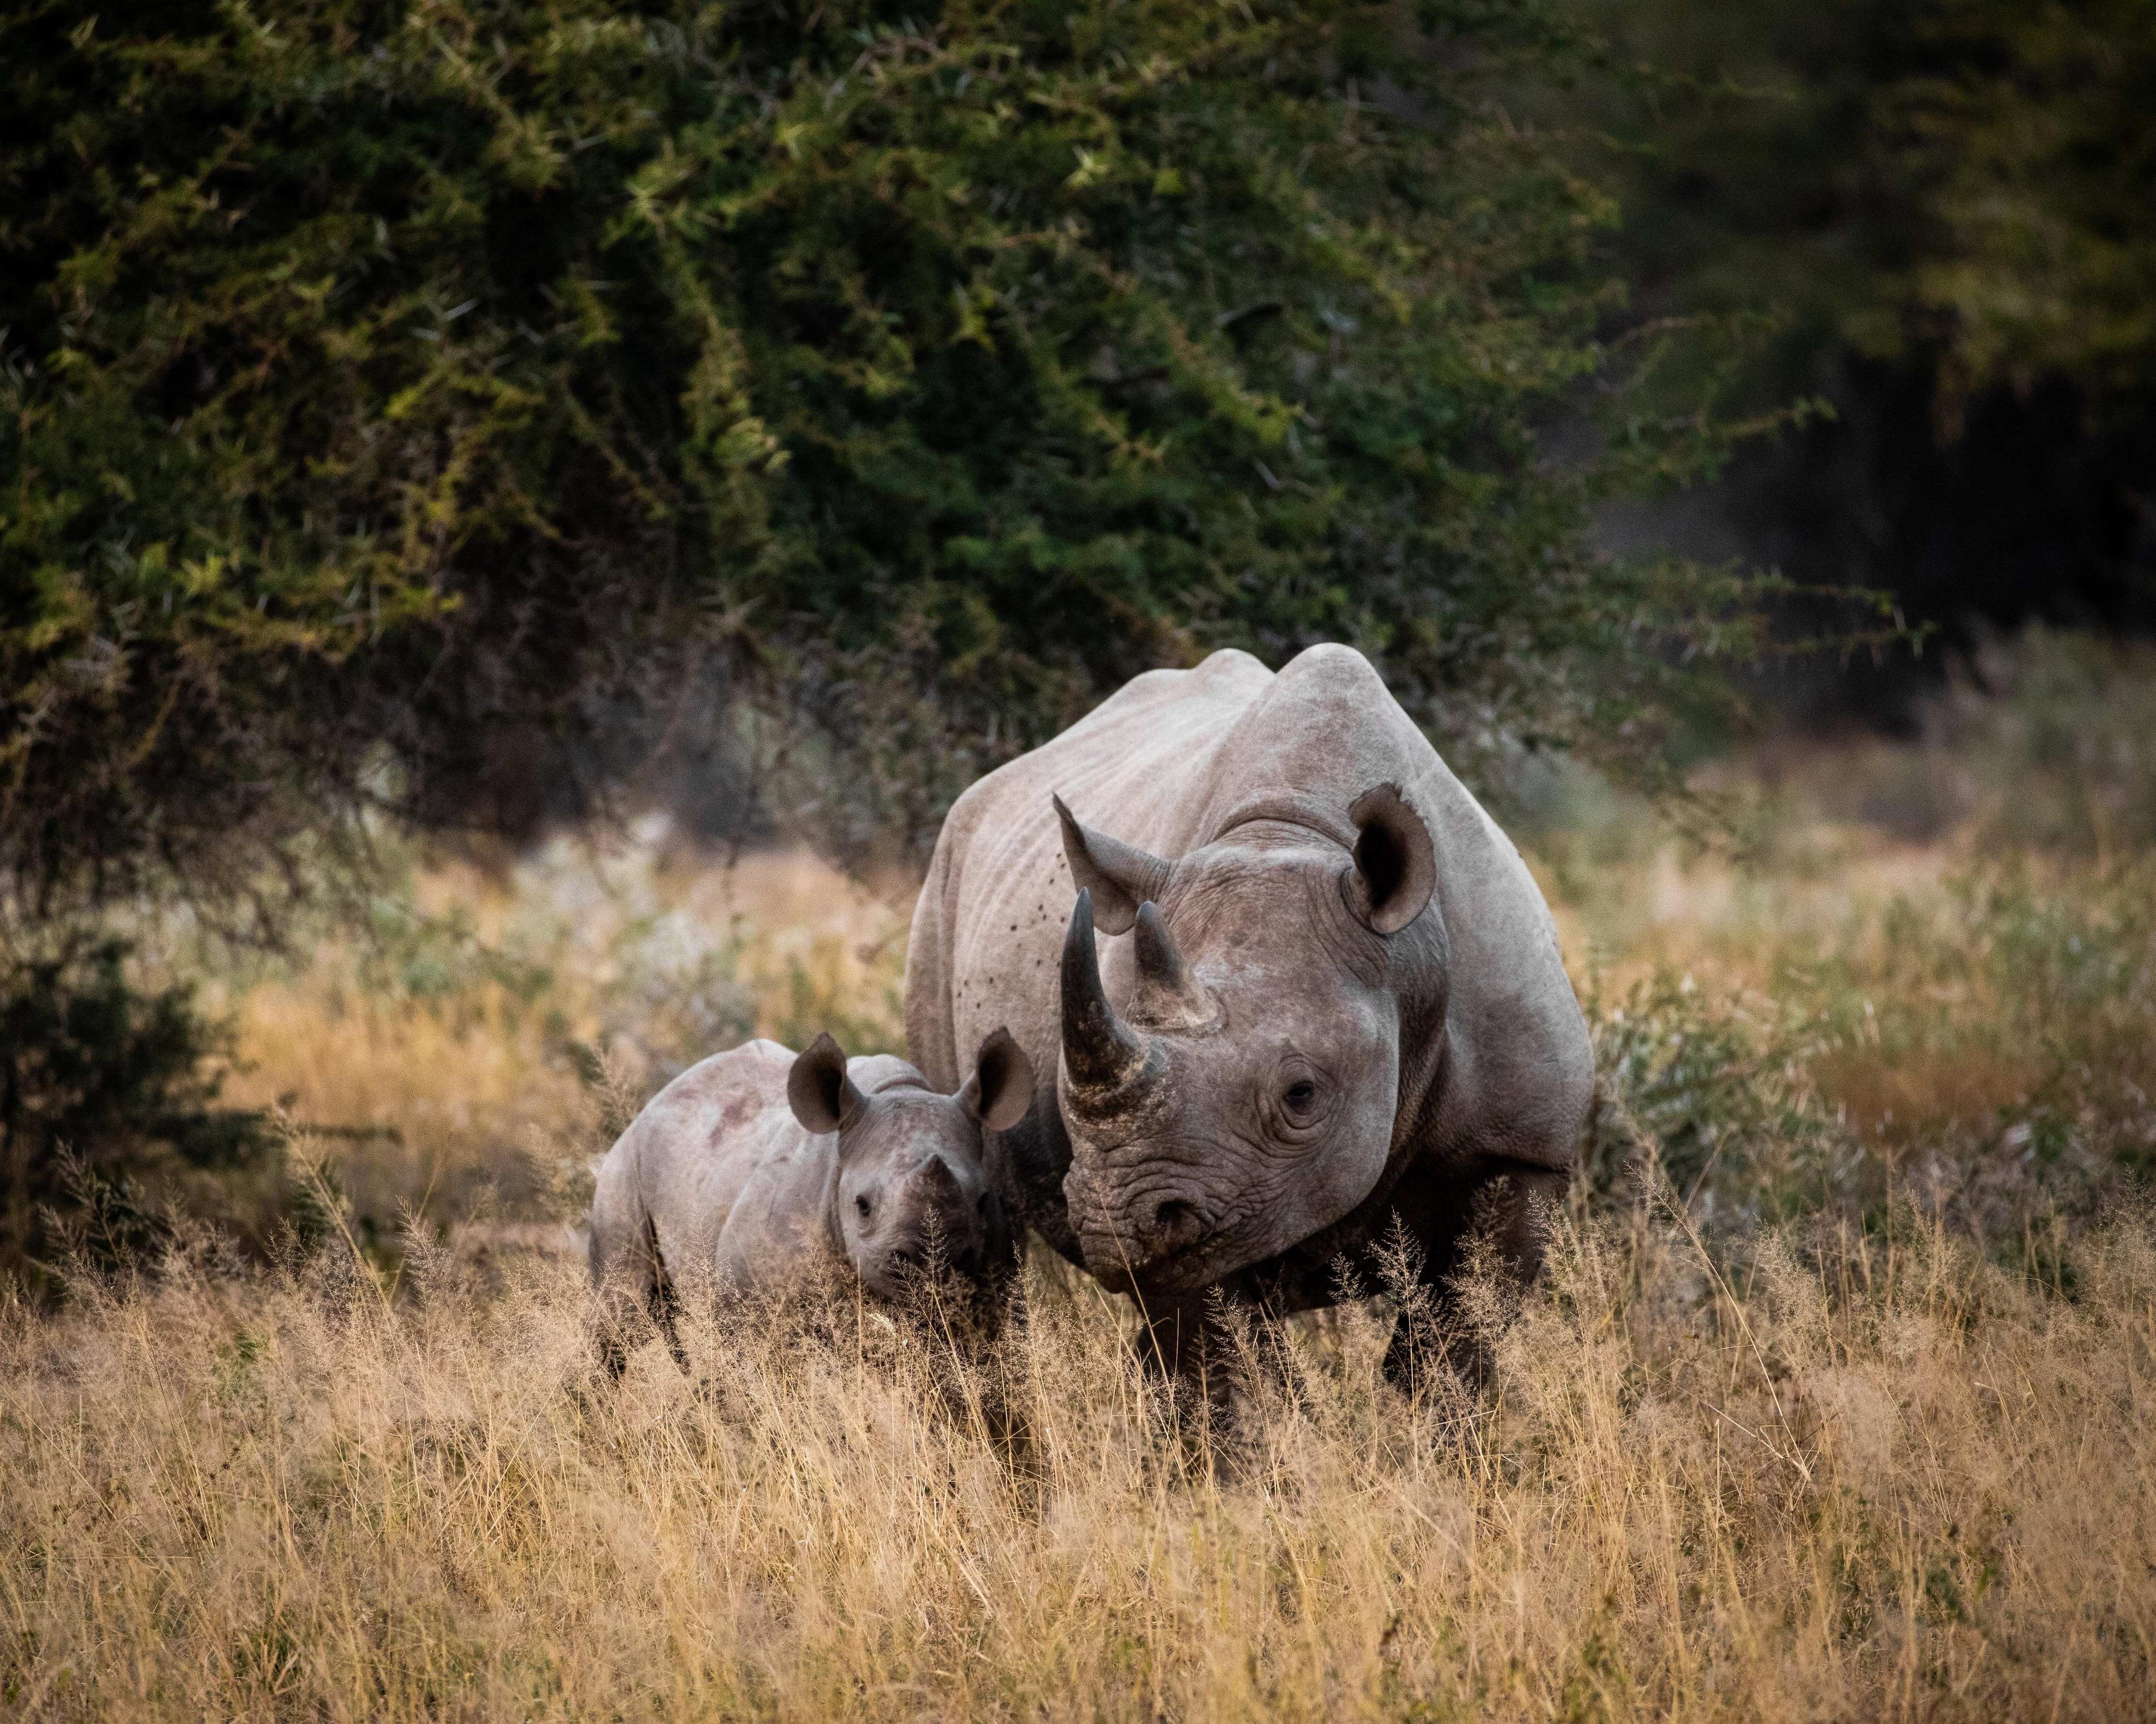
(821, 1095)
(1001, 1088)
(1120, 876)
(1395, 868)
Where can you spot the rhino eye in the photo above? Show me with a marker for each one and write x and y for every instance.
(1299, 1095)
(861, 1208)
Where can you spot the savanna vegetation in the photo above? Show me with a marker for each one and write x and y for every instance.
(468, 415)
(515, 519)
(1878, 1476)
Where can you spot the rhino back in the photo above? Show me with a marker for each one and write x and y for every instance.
(711, 1139)
(872, 1073)
(780, 1221)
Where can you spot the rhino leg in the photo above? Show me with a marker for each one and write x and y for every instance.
(1472, 1260)
(1176, 1341)
(633, 1289)
(1210, 1356)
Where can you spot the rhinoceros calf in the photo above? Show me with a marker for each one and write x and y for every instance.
(1337, 998)
(759, 1163)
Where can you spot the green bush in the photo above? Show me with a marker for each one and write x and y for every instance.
(106, 1091)
(1717, 1094)
(1984, 1047)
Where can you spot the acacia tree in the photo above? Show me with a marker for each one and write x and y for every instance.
(389, 383)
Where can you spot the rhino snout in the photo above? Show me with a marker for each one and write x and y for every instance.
(923, 1251)
(1124, 1241)
(932, 1223)
(1173, 1225)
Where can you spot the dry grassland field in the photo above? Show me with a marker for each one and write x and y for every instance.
(1835, 1403)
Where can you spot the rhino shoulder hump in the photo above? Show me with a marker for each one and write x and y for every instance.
(1334, 691)
(1232, 663)
(1231, 675)
(1332, 661)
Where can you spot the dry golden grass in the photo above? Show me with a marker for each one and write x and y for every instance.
(1897, 1481)
(1731, 928)
(451, 1074)
(1858, 1468)
(1946, 984)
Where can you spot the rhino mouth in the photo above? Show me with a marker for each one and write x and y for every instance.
(1143, 1222)
(916, 1270)
(1163, 1244)
(1119, 1274)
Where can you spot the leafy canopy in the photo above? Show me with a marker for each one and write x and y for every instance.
(389, 385)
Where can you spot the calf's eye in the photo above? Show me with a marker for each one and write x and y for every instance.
(861, 1207)
(1300, 1094)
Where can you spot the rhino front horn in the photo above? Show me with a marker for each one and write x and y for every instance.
(1100, 1053)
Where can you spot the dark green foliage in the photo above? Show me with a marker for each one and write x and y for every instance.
(393, 388)
(102, 1087)
(1942, 207)
(1959, 183)
(2027, 138)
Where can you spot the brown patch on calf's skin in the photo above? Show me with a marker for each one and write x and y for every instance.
(738, 1109)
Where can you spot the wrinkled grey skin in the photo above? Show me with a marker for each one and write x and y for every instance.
(758, 1164)
(1332, 994)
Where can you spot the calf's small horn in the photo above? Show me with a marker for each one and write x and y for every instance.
(1100, 1053)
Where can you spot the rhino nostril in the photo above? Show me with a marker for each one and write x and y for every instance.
(1174, 1217)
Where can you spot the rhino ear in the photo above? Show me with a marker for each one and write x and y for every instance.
(1120, 876)
(821, 1095)
(1395, 868)
(1001, 1088)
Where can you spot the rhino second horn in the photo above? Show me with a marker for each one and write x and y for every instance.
(1100, 1053)
(1169, 996)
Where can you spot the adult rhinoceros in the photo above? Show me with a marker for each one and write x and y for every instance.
(1340, 1000)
